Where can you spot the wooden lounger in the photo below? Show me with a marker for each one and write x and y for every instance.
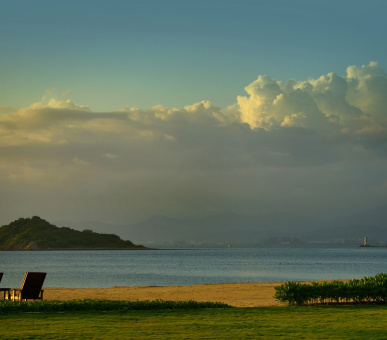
(31, 288)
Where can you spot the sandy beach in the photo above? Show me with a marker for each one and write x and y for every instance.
(235, 294)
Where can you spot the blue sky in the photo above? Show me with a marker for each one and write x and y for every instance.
(113, 54)
(117, 111)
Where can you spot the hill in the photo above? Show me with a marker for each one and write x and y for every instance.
(37, 234)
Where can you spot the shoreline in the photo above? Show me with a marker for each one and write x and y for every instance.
(78, 249)
(235, 294)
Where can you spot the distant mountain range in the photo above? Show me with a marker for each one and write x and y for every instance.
(37, 234)
(275, 228)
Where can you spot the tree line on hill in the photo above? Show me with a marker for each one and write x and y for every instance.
(37, 234)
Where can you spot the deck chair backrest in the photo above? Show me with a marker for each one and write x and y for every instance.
(32, 285)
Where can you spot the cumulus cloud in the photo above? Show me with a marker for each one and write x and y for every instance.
(304, 146)
(354, 103)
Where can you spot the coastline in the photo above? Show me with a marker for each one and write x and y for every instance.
(235, 294)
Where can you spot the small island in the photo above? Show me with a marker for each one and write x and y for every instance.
(37, 234)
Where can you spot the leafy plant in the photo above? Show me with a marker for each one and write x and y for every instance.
(7, 306)
(368, 289)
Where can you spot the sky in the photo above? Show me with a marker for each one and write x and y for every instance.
(117, 111)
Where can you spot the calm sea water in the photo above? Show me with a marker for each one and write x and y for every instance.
(83, 269)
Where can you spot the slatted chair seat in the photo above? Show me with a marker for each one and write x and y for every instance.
(31, 288)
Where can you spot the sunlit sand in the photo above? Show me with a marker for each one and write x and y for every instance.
(235, 294)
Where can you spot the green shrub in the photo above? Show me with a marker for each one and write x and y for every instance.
(368, 289)
(7, 306)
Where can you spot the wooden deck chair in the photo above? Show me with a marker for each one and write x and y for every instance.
(31, 288)
(3, 290)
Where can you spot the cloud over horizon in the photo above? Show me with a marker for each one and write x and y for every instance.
(311, 147)
(355, 103)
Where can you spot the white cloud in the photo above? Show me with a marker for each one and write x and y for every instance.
(65, 93)
(110, 156)
(307, 145)
(79, 161)
(354, 103)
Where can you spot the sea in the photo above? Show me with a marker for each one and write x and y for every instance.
(193, 265)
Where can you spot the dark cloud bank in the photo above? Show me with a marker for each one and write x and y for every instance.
(288, 159)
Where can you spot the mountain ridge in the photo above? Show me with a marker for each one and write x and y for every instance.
(232, 228)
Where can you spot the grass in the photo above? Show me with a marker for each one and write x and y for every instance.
(322, 322)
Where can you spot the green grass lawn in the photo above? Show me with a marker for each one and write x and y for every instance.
(314, 322)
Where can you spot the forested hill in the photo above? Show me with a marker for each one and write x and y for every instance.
(37, 234)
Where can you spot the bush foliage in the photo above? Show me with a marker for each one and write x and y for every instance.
(365, 290)
(7, 306)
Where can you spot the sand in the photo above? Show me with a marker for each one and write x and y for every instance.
(235, 294)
